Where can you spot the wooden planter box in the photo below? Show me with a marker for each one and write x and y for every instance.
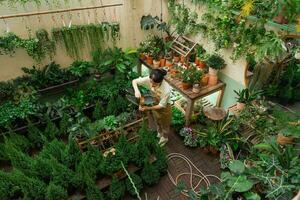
(39, 123)
(106, 181)
(57, 88)
(111, 137)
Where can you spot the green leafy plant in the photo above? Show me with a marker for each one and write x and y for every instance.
(150, 174)
(215, 61)
(247, 96)
(55, 192)
(191, 75)
(136, 179)
(80, 68)
(177, 119)
(116, 189)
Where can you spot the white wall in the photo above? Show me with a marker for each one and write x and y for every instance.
(128, 15)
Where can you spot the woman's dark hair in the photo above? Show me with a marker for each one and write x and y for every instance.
(157, 75)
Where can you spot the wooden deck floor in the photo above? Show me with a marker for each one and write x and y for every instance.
(208, 164)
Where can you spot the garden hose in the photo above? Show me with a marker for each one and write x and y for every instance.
(191, 174)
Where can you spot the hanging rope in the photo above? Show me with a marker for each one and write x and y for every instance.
(199, 174)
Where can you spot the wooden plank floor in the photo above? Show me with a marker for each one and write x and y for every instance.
(208, 164)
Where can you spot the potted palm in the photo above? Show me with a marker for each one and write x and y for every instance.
(190, 77)
(245, 97)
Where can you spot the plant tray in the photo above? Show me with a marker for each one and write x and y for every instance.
(107, 139)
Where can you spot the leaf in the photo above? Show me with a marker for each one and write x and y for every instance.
(237, 167)
(240, 184)
(252, 196)
(263, 146)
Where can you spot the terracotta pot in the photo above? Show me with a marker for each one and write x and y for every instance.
(213, 71)
(284, 140)
(150, 60)
(182, 59)
(169, 63)
(156, 63)
(197, 60)
(240, 106)
(212, 80)
(162, 62)
(204, 80)
(280, 19)
(201, 64)
(143, 56)
(176, 59)
(185, 86)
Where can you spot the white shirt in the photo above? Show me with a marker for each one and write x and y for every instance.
(163, 91)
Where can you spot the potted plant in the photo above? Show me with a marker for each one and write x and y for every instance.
(167, 60)
(190, 77)
(156, 57)
(176, 57)
(215, 63)
(199, 61)
(244, 97)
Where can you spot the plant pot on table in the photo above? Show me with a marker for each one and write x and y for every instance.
(204, 80)
(176, 59)
(149, 60)
(162, 62)
(201, 64)
(156, 63)
(185, 85)
(212, 80)
(196, 88)
(169, 63)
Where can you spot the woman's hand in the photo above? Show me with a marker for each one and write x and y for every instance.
(143, 108)
(137, 94)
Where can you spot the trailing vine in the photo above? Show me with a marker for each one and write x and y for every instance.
(37, 48)
(93, 36)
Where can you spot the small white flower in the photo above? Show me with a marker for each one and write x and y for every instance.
(297, 55)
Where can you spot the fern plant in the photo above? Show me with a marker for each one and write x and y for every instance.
(55, 192)
(116, 189)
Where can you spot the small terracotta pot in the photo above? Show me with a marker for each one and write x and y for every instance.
(240, 106)
(201, 64)
(204, 80)
(280, 19)
(284, 140)
(162, 62)
(156, 63)
(213, 71)
(169, 63)
(182, 59)
(176, 59)
(212, 80)
(197, 60)
(150, 60)
(143, 56)
(185, 86)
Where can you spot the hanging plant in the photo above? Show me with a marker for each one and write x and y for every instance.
(46, 45)
(92, 36)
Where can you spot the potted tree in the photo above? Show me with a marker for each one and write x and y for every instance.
(215, 63)
(190, 77)
(167, 55)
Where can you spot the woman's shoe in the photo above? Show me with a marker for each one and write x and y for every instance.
(162, 141)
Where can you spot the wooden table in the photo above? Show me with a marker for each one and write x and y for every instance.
(189, 94)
